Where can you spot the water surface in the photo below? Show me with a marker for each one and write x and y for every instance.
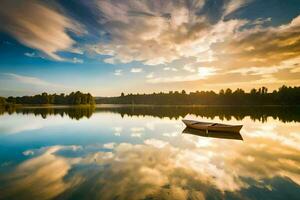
(141, 153)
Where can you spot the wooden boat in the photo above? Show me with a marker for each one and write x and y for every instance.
(213, 134)
(209, 126)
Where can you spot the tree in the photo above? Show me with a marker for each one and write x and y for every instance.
(221, 92)
(228, 91)
(2, 101)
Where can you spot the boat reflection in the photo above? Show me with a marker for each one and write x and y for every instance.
(213, 134)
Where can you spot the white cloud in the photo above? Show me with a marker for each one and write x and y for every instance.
(151, 37)
(189, 68)
(141, 32)
(137, 129)
(170, 69)
(109, 145)
(28, 153)
(31, 80)
(156, 143)
(135, 134)
(173, 134)
(136, 70)
(30, 54)
(39, 26)
(111, 60)
(150, 75)
(77, 60)
(118, 72)
(117, 131)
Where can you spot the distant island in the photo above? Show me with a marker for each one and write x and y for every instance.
(283, 96)
(74, 98)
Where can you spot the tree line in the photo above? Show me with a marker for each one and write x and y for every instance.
(282, 96)
(74, 98)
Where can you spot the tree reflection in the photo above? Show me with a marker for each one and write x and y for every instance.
(259, 113)
(72, 112)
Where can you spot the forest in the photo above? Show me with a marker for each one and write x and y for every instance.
(74, 98)
(282, 96)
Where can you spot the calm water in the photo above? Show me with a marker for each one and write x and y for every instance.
(141, 153)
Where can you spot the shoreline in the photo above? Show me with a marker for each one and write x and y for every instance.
(28, 106)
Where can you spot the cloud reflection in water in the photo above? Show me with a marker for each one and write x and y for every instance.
(198, 168)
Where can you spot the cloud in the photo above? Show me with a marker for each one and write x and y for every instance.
(77, 60)
(136, 70)
(156, 143)
(30, 54)
(173, 34)
(160, 34)
(109, 145)
(134, 134)
(203, 73)
(118, 72)
(117, 131)
(173, 134)
(189, 68)
(170, 69)
(150, 75)
(137, 129)
(174, 31)
(28, 153)
(190, 167)
(258, 70)
(261, 21)
(259, 47)
(110, 60)
(31, 80)
(32, 177)
(39, 26)
(242, 52)
(140, 31)
(234, 5)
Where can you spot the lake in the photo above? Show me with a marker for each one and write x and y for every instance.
(124, 152)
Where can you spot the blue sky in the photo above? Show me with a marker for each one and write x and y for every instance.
(111, 46)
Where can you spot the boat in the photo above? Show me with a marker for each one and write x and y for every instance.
(209, 126)
(213, 134)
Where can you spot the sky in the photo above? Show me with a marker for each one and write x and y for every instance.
(106, 47)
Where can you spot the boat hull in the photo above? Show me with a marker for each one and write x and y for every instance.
(212, 126)
(213, 134)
